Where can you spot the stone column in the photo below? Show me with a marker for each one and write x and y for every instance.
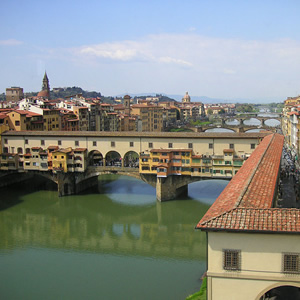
(166, 188)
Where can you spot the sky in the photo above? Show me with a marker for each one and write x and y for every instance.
(225, 49)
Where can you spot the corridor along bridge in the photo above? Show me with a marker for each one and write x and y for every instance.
(74, 160)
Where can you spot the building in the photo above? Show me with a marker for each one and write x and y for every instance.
(45, 92)
(14, 94)
(150, 115)
(186, 98)
(252, 245)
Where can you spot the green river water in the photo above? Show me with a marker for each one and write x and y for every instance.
(113, 242)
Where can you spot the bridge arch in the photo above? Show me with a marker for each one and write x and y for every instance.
(232, 121)
(113, 158)
(286, 291)
(253, 121)
(220, 129)
(95, 158)
(131, 159)
(274, 122)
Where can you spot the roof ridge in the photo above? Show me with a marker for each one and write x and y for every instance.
(240, 198)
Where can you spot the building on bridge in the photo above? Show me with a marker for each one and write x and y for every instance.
(169, 162)
(253, 246)
(161, 156)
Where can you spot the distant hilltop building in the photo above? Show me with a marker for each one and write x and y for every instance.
(45, 92)
(186, 98)
(14, 94)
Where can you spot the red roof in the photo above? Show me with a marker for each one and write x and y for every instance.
(246, 203)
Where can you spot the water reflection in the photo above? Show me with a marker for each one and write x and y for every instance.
(96, 238)
(116, 219)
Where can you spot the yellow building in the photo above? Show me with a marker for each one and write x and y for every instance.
(166, 162)
(151, 116)
(60, 159)
(51, 119)
(17, 120)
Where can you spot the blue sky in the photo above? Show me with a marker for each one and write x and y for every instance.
(220, 49)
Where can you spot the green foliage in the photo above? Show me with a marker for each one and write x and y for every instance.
(245, 108)
(200, 123)
(201, 295)
(209, 111)
(2, 97)
(180, 130)
(70, 91)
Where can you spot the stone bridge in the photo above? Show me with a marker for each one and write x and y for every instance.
(100, 146)
(240, 127)
(75, 182)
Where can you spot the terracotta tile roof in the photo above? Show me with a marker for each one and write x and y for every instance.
(285, 220)
(80, 149)
(246, 203)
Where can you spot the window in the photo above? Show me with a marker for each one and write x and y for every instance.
(170, 145)
(210, 146)
(77, 143)
(190, 145)
(5, 141)
(26, 141)
(42, 142)
(94, 143)
(17, 123)
(112, 144)
(252, 146)
(150, 145)
(232, 260)
(130, 144)
(59, 142)
(291, 263)
(231, 146)
(20, 150)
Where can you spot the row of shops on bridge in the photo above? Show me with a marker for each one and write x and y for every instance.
(160, 162)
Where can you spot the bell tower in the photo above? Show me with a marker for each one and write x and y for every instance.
(127, 104)
(46, 86)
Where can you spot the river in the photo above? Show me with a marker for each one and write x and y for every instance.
(113, 242)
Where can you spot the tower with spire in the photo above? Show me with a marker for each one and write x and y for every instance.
(45, 92)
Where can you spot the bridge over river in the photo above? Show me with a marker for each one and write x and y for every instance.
(103, 144)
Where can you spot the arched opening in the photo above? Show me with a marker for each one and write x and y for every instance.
(20, 150)
(233, 122)
(253, 122)
(285, 292)
(95, 158)
(272, 122)
(113, 159)
(131, 159)
(219, 129)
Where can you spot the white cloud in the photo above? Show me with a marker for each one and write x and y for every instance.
(173, 63)
(11, 42)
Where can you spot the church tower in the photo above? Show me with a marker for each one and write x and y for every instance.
(127, 104)
(45, 92)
